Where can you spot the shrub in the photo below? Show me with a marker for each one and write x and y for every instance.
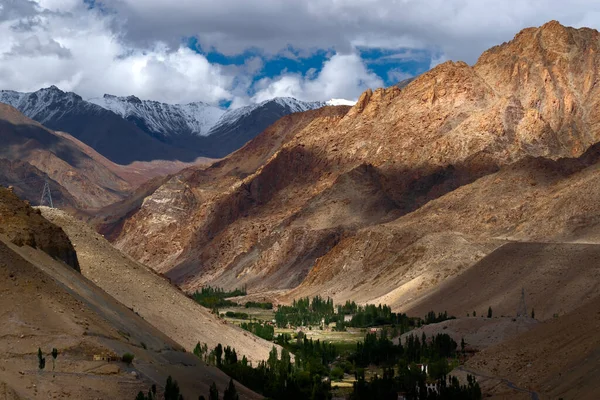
(127, 358)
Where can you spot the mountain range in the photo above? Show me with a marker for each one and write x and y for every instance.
(127, 129)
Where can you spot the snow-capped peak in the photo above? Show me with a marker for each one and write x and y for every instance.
(162, 118)
(44, 104)
(290, 104)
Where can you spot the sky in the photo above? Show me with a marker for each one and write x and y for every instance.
(237, 52)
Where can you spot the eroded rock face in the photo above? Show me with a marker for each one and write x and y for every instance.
(25, 226)
(343, 200)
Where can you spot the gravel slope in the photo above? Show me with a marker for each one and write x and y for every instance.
(150, 295)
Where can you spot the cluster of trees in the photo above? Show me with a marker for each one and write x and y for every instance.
(173, 392)
(235, 314)
(42, 359)
(279, 377)
(412, 383)
(255, 304)
(411, 378)
(262, 330)
(431, 318)
(380, 350)
(215, 298)
(304, 312)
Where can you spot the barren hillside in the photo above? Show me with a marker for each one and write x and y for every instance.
(153, 297)
(48, 304)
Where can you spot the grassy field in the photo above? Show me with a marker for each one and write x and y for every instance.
(344, 340)
(349, 337)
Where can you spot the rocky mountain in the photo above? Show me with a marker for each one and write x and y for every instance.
(236, 127)
(163, 120)
(413, 197)
(106, 132)
(211, 131)
(320, 201)
(127, 129)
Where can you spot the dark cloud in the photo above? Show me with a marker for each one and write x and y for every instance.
(461, 29)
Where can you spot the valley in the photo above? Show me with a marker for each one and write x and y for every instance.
(438, 238)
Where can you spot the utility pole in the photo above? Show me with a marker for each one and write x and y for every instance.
(46, 194)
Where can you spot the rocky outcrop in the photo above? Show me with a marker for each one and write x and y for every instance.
(24, 226)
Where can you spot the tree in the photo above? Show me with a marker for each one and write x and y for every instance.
(532, 313)
(140, 396)
(490, 312)
(41, 359)
(172, 389)
(213, 393)
(462, 345)
(474, 314)
(127, 358)
(230, 393)
(219, 354)
(54, 355)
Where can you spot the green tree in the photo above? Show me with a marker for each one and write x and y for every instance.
(532, 313)
(462, 345)
(140, 396)
(219, 354)
(474, 314)
(127, 358)
(213, 393)
(489, 312)
(172, 391)
(54, 355)
(41, 359)
(230, 393)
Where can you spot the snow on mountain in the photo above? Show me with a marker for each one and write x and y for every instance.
(161, 118)
(340, 102)
(46, 104)
(288, 105)
(161, 131)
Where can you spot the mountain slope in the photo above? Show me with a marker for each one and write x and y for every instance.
(84, 176)
(237, 127)
(47, 304)
(346, 206)
(163, 120)
(153, 297)
(110, 135)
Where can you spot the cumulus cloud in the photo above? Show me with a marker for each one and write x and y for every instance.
(459, 29)
(136, 46)
(78, 49)
(342, 76)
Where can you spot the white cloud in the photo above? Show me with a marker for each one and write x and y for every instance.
(77, 49)
(342, 76)
(135, 46)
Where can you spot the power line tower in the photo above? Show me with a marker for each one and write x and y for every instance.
(522, 309)
(46, 194)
